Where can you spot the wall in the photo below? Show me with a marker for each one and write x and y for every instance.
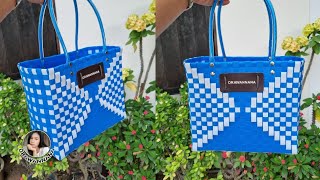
(114, 15)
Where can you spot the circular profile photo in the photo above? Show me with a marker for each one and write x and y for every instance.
(36, 143)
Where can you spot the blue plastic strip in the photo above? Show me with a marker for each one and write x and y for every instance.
(211, 22)
(100, 24)
(54, 22)
(220, 31)
(40, 31)
(76, 10)
(272, 29)
(55, 25)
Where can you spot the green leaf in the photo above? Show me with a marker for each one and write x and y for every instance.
(300, 174)
(315, 106)
(308, 101)
(94, 159)
(129, 42)
(144, 33)
(217, 164)
(151, 32)
(289, 53)
(80, 148)
(129, 158)
(316, 49)
(92, 148)
(134, 34)
(247, 163)
(312, 43)
(304, 53)
(236, 164)
(284, 173)
(316, 38)
(134, 47)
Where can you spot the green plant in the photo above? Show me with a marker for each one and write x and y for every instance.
(14, 119)
(234, 165)
(45, 169)
(86, 157)
(314, 102)
(172, 121)
(141, 27)
(130, 149)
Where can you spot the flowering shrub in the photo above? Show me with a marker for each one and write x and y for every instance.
(141, 26)
(309, 39)
(131, 150)
(44, 170)
(14, 122)
(172, 121)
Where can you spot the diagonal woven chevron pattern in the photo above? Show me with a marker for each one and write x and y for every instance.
(110, 93)
(274, 112)
(68, 114)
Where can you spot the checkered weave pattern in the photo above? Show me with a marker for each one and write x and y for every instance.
(274, 112)
(112, 88)
(59, 107)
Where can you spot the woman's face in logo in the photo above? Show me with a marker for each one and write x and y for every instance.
(35, 140)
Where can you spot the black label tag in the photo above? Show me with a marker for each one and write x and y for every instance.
(90, 74)
(242, 82)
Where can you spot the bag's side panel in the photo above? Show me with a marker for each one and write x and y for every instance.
(38, 89)
(69, 114)
(245, 121)
(86, 112)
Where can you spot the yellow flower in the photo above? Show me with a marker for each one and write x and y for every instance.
(308, 29)
(302, 40)
(152, 7)
(131, 86)
(294, 47)
(131, 21)
(125, 73)
(140, 25)
(317, 24)
(149, 18)
(287, 43)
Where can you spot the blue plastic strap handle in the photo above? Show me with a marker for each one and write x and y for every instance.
(76, 10)
(54, 22)
(211, 22)
(40, 28)
(271, 45)
(40, 31)
(100, 24)
(272, 28)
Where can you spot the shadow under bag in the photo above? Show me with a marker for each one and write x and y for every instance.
(76, 95)
(244, 104)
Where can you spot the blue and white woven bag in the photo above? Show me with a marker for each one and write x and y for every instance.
(76, 95)
(244, 104)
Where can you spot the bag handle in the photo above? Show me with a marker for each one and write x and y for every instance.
(54, 22)
(272, 30)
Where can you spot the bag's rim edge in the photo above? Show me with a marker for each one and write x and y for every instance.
(110, 48)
